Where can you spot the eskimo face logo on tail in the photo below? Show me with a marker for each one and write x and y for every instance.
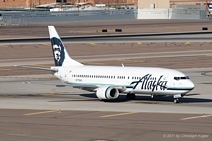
(58, 51)
(148, 82)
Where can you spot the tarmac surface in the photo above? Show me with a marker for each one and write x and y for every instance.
(45, 112)
(33, 125)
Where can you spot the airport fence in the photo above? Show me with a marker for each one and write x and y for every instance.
(22, 18)
(172, 13)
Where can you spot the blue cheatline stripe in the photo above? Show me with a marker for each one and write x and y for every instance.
(97, 84)
(130, 86)
(180, 88)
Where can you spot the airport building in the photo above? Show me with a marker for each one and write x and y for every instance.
(23, 3)
(34, 3)
(140, 3)
(153, 4)
(173, 9)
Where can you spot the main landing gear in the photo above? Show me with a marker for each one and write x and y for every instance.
(131, 96)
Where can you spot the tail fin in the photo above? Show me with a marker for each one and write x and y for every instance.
(61, 57)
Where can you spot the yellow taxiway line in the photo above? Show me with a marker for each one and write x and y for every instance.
(44, 112)
(1, 97)
(130, 60)
(3, 46)
(91, 43)
(50, 94)
(40, 65)
(187, 43)
(93, 63)
(121, 114)
(2, 69)
(46, 44)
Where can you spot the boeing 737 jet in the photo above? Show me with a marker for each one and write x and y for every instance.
(109, 81)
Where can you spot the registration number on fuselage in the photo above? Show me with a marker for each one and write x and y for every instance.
(78, 80)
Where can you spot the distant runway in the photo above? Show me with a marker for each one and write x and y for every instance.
(29, 61)
(116, 39)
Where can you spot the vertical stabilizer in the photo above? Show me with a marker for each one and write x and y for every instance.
(61, 57)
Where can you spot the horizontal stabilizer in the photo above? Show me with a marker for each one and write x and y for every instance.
(39, 68)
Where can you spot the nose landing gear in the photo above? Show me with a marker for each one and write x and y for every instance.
(176, 100)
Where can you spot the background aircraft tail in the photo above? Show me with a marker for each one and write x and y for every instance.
(61, 56)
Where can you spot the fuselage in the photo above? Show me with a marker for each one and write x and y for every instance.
(140, 80)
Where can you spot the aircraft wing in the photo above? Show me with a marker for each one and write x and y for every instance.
(95, 87)
(87, 87)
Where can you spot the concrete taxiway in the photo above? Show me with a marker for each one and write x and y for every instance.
(54, 125)
(17, 95)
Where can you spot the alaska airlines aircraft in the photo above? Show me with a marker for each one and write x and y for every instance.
(109, 81)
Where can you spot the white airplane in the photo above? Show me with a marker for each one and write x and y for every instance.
(109, 81)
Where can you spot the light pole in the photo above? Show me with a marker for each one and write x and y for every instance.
(78, 6)
(30, 5)
(108, 4)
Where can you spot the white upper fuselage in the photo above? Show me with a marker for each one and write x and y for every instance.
(143, 80)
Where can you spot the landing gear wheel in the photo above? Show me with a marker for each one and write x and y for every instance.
(128, 96)
(176, 100)
(131, 96)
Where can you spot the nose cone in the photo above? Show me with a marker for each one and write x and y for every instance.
(191, 85)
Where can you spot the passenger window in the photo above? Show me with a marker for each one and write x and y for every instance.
(179, 78)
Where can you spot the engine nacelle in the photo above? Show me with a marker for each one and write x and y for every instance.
(107, 93)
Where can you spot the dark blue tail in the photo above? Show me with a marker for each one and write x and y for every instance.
(61, 56)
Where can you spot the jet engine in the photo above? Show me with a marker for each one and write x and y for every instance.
(104, 93)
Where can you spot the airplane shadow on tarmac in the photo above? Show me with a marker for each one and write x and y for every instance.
(141, 98)
(122, 98)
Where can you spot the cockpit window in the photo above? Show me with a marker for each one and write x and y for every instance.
(182, 77)
(176, 78)
(179, 78)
